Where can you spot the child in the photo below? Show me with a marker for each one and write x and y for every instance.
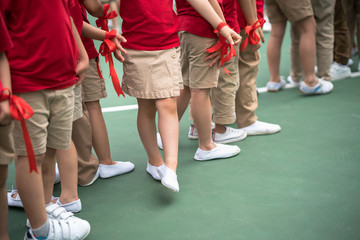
(152, 75)
(94, 90)
(196, 35)
(6, 142)
(44, 77)
(301, 14)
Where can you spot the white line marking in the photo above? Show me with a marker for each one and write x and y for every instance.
(120, 108)
(260, 90)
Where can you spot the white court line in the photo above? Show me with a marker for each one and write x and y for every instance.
(260, 90)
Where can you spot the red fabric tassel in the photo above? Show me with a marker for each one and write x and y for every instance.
(101, 22)
(250, 34)
(223, 46)
(20, 110)
(106, 48)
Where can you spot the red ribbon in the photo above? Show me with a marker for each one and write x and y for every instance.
(102, 21)
(222, 44)
(106, 48)
(20, 110)
(250, 34)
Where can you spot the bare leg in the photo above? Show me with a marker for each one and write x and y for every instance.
(4, 234)
(169, 130)
(147, 130)
(68, 168)
(307, 48)
(201, 112)
(182, 101)
(100, 137)
(48, 174)
(274, 50)
(30, 189)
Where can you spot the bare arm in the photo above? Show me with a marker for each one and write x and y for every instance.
(92, 32)
(83, 61)
(215, 5)
(5, 116)
(205, 9)
(94, 7)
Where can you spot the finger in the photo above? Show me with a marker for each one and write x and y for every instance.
(214, 61)
(213, 55)
(121, 38)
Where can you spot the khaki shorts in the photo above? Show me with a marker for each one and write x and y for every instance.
(51, 124)
(195, 70)
(93, 86)
(78, 111)
(292, 10)
(7, 154)
(152, 74)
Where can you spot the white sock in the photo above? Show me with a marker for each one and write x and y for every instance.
(42, 231)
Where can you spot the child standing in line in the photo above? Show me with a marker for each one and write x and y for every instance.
(7, 154)
(197, 35)
(152, 75)
(223, 96)
(94, 90)
(44, 77)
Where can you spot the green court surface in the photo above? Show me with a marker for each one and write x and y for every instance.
(300, 184)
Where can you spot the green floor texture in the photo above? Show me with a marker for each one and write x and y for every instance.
(300, 184)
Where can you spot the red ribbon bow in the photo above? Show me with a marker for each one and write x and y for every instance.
(106, 48)
(102, 21)
(223, 46)
(20, 110)
(250, 34)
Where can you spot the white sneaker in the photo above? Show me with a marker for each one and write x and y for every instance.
(259, 128)
(220, 151)
(57, 174)
(159, 141)
(73, 207)
(291, 82)
(168, 178)
(193, 132)
(96, 176)
(276, 86)
(339, 71)
(64, 230)
(14, 201)
(107, 171)
(153, 171)
(230, 135)
(358, 68)
(322, 87)
(350, 62)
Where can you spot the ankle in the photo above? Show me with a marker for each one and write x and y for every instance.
(220, 128)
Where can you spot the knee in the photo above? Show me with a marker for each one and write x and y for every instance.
(307, 26)
(166, 105)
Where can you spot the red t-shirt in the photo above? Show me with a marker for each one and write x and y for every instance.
(43, 56)
(191, 21)
(149, 25)
(240, 15)
(230, 14)
(5, 41)
(76, 14)
(88, 43)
